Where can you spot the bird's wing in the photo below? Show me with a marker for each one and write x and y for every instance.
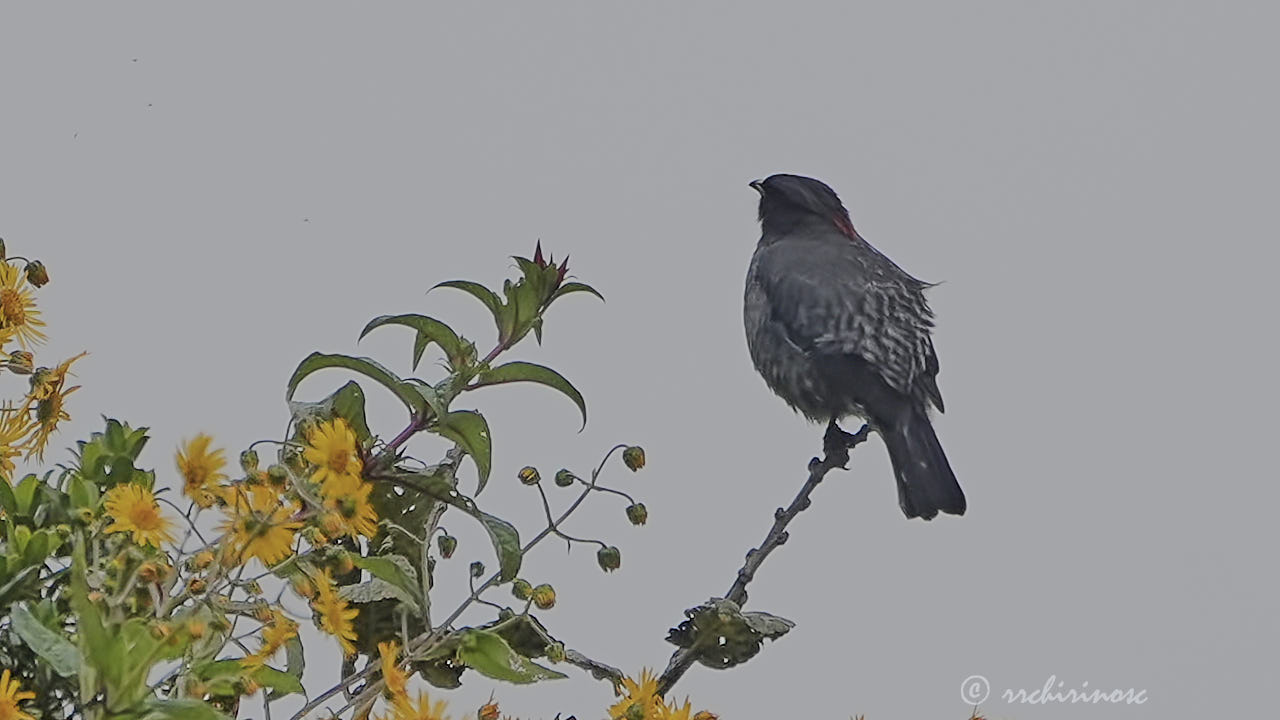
(832, 300)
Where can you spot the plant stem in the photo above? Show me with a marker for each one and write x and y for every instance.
(837, 444)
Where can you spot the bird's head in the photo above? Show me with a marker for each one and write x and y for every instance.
(787, 201)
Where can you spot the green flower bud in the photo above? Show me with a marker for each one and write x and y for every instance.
(292, 458)
(637, 514)
(633, 457)
(447, 544)
(3, 252)
(529, 475)
(564, 478)
(477, 569)
(521, 589)
(544, 596)
(635, 711)
(21, 362)
(555, 652)
(249, 460)
(37, 275)
(609, 558)
(277, 474)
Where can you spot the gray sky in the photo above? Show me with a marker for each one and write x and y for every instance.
(218, 193)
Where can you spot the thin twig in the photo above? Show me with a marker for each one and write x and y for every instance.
(836, 446)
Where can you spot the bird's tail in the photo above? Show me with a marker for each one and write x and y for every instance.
(926, 483)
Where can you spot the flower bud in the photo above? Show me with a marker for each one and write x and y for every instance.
(202, 560)
(633, 457)
(489, 711)
(302, 585)
(84, 515)
(635, 711)
(160, 630)
(529, 475)
(705, 715)
(253, 588)
(21, 362)
(196, 628)
(342, 563)
(521, 589)
(41, 382)
(637, 514)
(564, 478)
(477, 569)
(37, 275)
(447, 544)
(544, 596)
(609, 558)
(555, 652)
(249, 460)
(196, 586)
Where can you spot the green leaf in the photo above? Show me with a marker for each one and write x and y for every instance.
(295, 661)
(24, 493)
(519, 371)
(722, 636)
(489, 654)
(50, 645)
(572, 287)
(83, 493)
(470, 431)
(395, 570)
(506, 541)
(7, 501)
(429, 330)
(484, 295)
(503, 535)
(278, 681)
(365, 366)
(42, 542)
(348, 404)
(188, 709)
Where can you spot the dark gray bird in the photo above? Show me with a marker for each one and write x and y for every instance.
(837, 329)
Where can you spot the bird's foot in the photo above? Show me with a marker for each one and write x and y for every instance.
(836, 443)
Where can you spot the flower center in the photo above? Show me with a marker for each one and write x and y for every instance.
(12, 307)
(339, 460)
(145, 517)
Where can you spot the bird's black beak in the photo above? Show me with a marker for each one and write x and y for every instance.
(757, 185)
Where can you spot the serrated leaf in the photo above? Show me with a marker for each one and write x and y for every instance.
(429, 330)
(470, 431)
(520, 371)
(395, 570)
(572, 287)
(365, 366)
(187, 709)
(50, 645)
(489, 654)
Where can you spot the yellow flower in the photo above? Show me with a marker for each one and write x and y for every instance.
(335, 616)
(15, 426)
(136, 511)
(10, 696)
(275, 633)
(48, 395)
(685, 712)
(424, 709)
(18, 312)
(331, 447)
(260, 526)
(348, 497)
(643, 694)
(392, 674)
(201, 469)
